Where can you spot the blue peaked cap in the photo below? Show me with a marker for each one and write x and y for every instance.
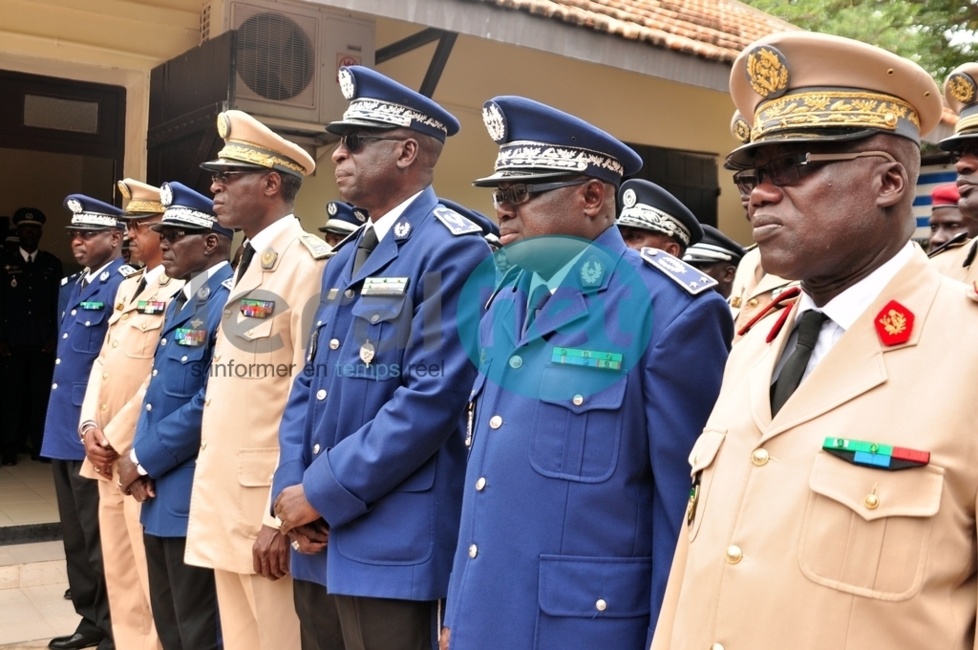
(343, 218)
(379, 102)
(643, 204)
(91, 214)
(539, 141)
(187, 208)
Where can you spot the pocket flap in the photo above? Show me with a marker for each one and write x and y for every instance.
(876, 494)
(566, 387)
(256, 466)
(588, 587)
(375, 309)
(705, 450)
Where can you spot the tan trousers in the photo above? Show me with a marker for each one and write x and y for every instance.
(256, 613)
(126, 575)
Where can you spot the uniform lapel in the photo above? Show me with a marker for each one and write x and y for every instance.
(857, 362)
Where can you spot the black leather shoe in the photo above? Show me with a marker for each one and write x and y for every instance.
(74, 641)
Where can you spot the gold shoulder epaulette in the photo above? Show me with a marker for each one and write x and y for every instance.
(316, 246)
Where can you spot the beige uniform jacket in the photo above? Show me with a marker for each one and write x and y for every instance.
(753, 289)
(958, 262)
(113, 399)
(256, 357)
(791, 547)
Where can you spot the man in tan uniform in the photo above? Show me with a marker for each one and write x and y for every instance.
(841, 515)
(962, 96)
(260, 347)
(110, 411)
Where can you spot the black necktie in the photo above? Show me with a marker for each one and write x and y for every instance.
(538, 298)
(809, 325)
(366, 246)
(141, 286)
(249, 252)
(181, 300)
(30, 260)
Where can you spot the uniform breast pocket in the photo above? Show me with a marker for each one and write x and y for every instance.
(88, 331)
(701, 460)
(576, 436)
(593, 602)
(185, 370)
(866, 531)
(143, 336)
(380, 330)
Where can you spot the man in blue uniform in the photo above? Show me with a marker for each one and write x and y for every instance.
(649, 216)
(372, 438)
(342, 219)
(96, 242)
(28, 335)
(159, 470)
(598, 367)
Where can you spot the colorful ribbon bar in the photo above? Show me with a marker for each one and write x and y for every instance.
(190, 337)
(874, 454)
(257, 308)
(150, 307)
(93, 305)
(589, 358)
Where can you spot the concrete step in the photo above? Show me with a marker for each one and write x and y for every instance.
(33, 610)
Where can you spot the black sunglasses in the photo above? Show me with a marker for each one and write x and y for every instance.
(519, 193)
(224, 176)
(354, 141)
(173, 235)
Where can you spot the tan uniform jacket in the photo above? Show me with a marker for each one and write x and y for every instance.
(255, 360)
(793, 547)
(113, 399)
(958, 262)
(753, 289)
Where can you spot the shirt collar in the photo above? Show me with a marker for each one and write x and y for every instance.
(846, 307)
(27, 256)
(264, 238)
(94, 274)
(196, 282)
(153, 274)
(383, 225)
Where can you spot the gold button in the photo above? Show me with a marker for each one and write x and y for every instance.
(315, 448)
(105, 375)
(349, 293)
(871, 501)
(735, 302)
(760, 457)
(734, 554)
(115, 344)
(480, 485)
(334, 344)
(495, 422)
(321, 394)
(890, 119)
(217, 357)
(601, 605)
(227, 312)
(752, 302)
(578, 400)
(203, 445)
(105, 407)
(125, 316)
(473, 551)
(149, 407)
(207, 402)
(515, 361)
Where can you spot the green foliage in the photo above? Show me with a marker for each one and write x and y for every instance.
(937, 34)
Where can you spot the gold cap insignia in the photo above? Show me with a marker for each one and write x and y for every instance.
(223, 125)
(961, 87)
(767, 71)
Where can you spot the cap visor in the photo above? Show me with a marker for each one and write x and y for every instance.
(955, 141)
(342, 127)
(743, 157)
(520, 176)
(225, 165)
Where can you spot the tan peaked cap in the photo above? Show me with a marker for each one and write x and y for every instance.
(805, 86)
(249, 144)
(961, 92)
(142, 200)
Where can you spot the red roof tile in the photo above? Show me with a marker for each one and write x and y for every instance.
(712, 29)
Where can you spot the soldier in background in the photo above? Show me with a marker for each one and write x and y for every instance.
(342, 219)
(718, 256)
(649, 216)
(28, 335)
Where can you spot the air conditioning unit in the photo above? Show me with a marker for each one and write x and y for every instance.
(287, 55)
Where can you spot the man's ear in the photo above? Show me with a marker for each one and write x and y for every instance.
(893, 184)
(594, 193)
(408, 151)
(272, 183)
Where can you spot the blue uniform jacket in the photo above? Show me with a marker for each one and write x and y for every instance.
(83, 326)
(373, 428)
(29, 297)
(580, 431)
(168, 431)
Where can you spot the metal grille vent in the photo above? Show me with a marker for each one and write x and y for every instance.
(276, 57)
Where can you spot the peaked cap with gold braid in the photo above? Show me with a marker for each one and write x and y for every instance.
(961, 91)
(249, 144)
(141, 200)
